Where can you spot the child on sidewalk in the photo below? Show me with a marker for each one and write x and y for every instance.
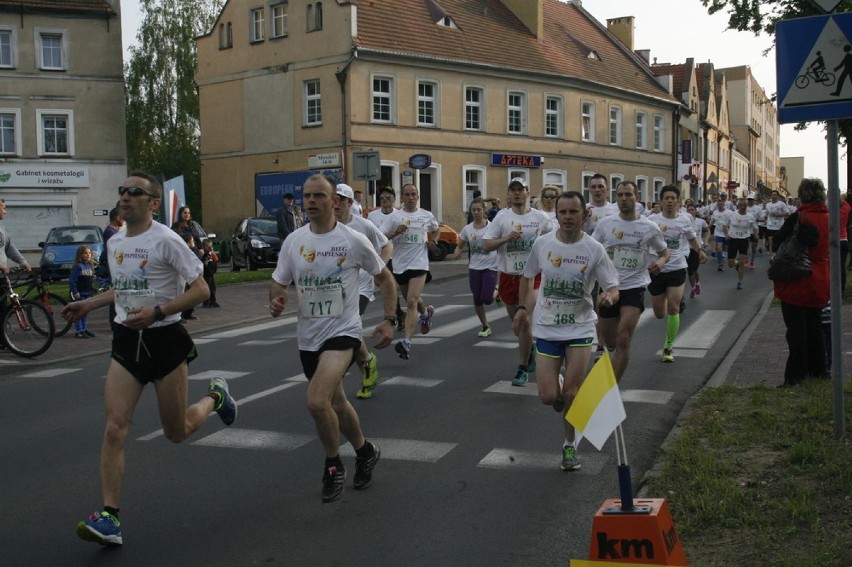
(81, 285)
(211, 265)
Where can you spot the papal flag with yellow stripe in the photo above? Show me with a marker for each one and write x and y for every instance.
(597, 410)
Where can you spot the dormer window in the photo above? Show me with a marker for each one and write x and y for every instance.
(447, 22)
(440, 16)
(593, 55)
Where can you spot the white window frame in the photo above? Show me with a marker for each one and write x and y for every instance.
(587, 131)
(615, 117)
(257, 25)
(585, 182)
(41, 114)
(278, 17)
(479, 106)
(523, 173)
(659, 183)
(641, 182)
(641, 130)
(556, 177)
(427, 102)
(467, 195)
(516, 110)
(389, 96)
(16, 125)
(312, 115)
(554, 115)
(12, 33)
(659, 133)
(39, 34)
(614, 180)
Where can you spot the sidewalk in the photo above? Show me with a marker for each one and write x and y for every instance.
(757, 359)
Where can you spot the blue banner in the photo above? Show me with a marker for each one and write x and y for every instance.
(270, 188)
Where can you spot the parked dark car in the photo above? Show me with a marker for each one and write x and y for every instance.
(255, 244)
(60, 248)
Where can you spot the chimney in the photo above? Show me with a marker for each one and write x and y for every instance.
(645, 54)
(622, 28)
(530, 12)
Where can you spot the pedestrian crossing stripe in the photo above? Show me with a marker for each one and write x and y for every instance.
(255, 439)
(406, 449)
(500, 458)
(208, 375)
(50, 372)
(268, 342)
(414, 382)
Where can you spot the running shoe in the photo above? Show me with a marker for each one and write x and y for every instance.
(570, 460)
(226, 405)
(520, 378)
(599, 352)
(364, 468)
(333, 479)
(739, 285)
(668, 354)
(102, 528)
(698, 289)
(531, 361)
(692, 292)
(89, 333)
(426, 320)
(485, 332)
(403, 350)
(720, 269)
(369, 378)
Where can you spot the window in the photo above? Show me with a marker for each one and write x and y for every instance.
(614, 180)
(659, 132)
(553, 117)
(521, 173)
(473, 102)
(585, 182)
(614, 126)
(10, 131)
(474, 180)
(641, 130)
(56, 132)
(555, 177)
(517, 112)
(51, 49)
(8, 42)
(313, 104)
(427, 103)
(588, 122)
(279, 20)
(658, 186)
(257, 24)
(226, 36)
(383, 108)
(642, 189)
(313, 16)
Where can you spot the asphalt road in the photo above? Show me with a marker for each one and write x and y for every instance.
(469, 473)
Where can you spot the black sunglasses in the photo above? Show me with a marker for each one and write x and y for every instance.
(134, 192)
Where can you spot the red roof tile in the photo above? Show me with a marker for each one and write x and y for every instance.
(490, 34)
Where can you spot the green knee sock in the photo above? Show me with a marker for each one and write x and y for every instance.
(672, 327)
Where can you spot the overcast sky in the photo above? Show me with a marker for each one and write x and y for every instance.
(674, 30)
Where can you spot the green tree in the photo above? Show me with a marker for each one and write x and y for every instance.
(760, 16)
(161, 98)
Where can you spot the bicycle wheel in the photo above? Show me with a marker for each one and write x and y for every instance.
(802, 81)
(54, 304)
(828, 79)
(28, 329)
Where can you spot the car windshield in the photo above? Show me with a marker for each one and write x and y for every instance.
(73, 235)
(263, 227)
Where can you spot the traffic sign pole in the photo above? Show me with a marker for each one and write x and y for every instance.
(835, 267)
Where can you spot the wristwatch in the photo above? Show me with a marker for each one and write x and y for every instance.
(158, 313)
(391, 318)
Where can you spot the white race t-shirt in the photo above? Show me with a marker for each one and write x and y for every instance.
(628, 244)
(382, 220)
(719, 219)
(775, 215)
(741, 226)
(325, 269)
(596, 214)
(150, 269)
(677, 233)
(409, 248)
(475, 238)
(564, 307)
(378, 240)
(512, 256)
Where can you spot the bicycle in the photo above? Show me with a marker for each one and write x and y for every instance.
(36, 290)
(823, 77)
(26, 328)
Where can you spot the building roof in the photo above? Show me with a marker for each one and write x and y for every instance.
(573, 44)
(680, 76)
(65, 6)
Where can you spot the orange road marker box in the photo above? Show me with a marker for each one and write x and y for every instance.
(645, 535)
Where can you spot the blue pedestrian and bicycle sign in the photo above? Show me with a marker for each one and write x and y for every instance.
(814, 68)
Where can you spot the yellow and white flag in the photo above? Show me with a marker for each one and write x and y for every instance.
(597, 410)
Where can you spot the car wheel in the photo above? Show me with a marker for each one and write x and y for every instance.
(438, 253)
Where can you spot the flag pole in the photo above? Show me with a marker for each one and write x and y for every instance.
(624, 484)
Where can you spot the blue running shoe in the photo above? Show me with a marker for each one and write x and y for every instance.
(226, 405)
(520, 378)
(403, 349)
(102, 528)
(426, 320)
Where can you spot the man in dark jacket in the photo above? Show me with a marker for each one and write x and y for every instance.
(286, 217)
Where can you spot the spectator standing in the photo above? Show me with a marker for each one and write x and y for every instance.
(802, 300)
(211, 265)
(81, 286)
(285, 218)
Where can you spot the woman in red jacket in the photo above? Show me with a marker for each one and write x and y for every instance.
(803, 299)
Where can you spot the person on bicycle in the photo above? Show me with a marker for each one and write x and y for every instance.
(8, 251)
(818, 66)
